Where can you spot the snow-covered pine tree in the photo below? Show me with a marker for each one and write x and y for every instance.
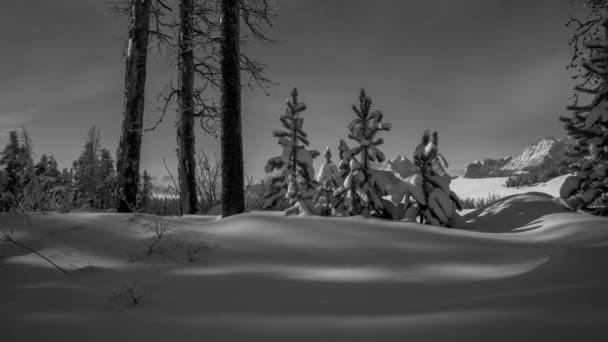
(339, 205)
(328, 180)
(295, 161)
(588, 129)
(328, 170)
(47, 172)
(358, 194)
(441, 203)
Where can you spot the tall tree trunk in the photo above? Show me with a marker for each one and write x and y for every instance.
(185, 133)
(233, 198)
(129, 149)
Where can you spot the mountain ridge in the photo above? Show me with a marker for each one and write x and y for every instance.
(543, 152)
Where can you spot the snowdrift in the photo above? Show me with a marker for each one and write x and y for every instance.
(521, 269)
(483, 187)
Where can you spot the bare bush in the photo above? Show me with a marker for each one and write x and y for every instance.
(129, 295)
(159, 228)
(161, 248)
(208, 181)
(194, 250)
(135, 208)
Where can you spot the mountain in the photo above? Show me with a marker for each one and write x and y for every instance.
(485, 168)
(545, 152)
(400, 166)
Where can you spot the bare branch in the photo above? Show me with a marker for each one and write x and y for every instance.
(176, 188)
(7, 236)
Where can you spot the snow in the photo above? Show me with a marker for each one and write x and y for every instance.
(520, 269)
(483, 187)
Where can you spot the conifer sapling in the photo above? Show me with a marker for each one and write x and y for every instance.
(358, 194)
(295, 165)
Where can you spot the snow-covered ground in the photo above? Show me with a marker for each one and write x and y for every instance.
(522, 269)
(483, 187)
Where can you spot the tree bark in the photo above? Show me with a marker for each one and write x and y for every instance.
(185, 134)
(233, 200)
(129, 149)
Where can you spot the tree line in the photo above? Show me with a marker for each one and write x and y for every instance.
(41, 186)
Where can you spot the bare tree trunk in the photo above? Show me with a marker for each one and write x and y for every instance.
(129, 149)
(233, 197)
(185, 134)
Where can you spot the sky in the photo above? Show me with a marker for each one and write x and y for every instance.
(489, 75)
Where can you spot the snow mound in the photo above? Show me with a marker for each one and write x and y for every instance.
(483, 187)
(275, 278)
(515, 213)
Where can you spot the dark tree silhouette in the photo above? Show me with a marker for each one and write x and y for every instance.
(233, 196)
(185, 135)
(129, 148)
(199, 74)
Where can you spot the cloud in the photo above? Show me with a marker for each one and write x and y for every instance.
(13, 120)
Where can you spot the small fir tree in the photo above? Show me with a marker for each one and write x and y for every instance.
(294, 166)
(145, 190)
(47, 173)
(328, 180)
(106, 181)
(14, 167)
(358, 194)
(440, 203)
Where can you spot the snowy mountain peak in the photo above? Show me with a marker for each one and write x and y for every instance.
(543, 150)
(400, 165)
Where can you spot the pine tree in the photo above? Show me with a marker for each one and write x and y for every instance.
(295, 165)
(47, 173)
(339, 206)
(328, 180)
(2, 182)
(87, 171)
(588, 129)
(41, 167)
(14, 166)
(27, 156)
(66, 177)
(145, 190)
(107, 180)
(440, 204)
(33, 196)
(359, 194)
(329, 171)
